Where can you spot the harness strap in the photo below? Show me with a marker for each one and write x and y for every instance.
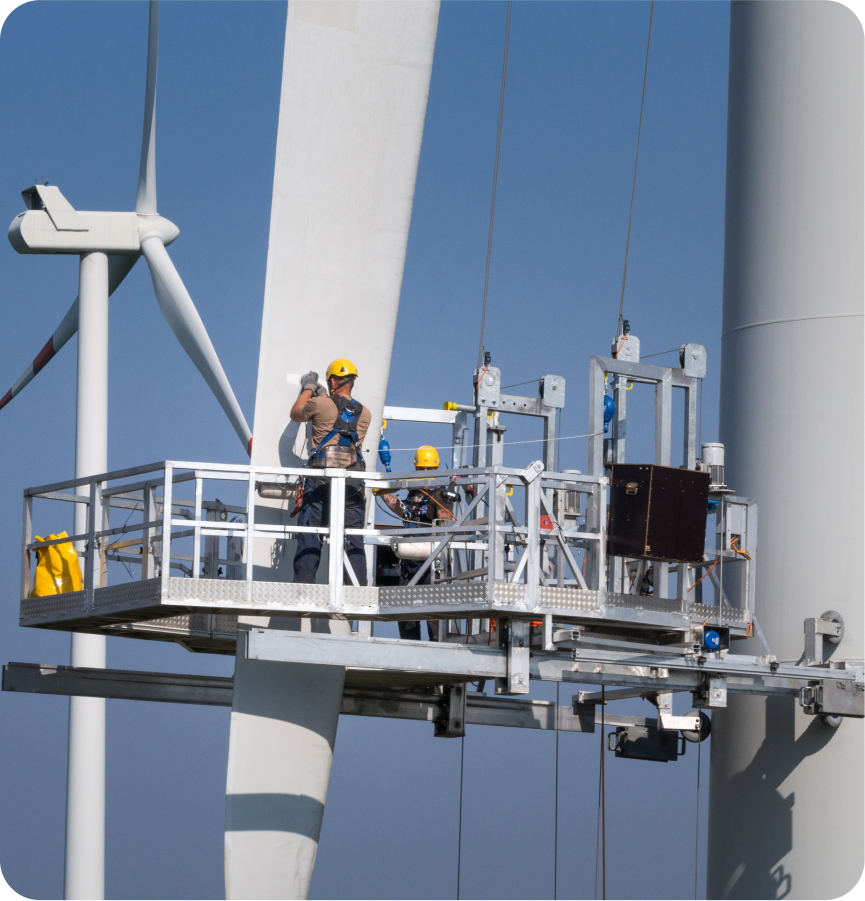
(347, 436)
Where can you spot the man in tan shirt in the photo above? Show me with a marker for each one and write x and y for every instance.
(339, 425)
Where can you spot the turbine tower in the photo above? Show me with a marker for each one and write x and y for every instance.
(785, 817)
(108, 245)
(354, 92)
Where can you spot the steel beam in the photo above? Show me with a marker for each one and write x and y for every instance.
(217, 691)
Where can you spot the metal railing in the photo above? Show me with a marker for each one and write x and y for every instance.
(539, 547)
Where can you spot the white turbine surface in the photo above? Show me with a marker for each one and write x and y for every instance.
(145, 201)
(786, 813)
(354, 92)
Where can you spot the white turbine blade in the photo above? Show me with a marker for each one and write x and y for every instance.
(183, 319)
(118, 268)
(145, 201)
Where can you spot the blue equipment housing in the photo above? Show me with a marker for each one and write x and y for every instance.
(711, 640)
(609, 411)
(384, 453)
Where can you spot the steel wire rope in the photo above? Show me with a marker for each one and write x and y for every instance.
(601, 835)
(495, 181)
(556, 820)
(634, 185)
(660, 353)
(517, 384)
(460, 827)
(697, 829)
(394, 450)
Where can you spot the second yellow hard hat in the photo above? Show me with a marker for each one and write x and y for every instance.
(426, 457)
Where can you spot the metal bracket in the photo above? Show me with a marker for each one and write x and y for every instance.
(518, 658)
(830, 627)
(713, 694)
(663, 700)
(834, 697)
(452, 723)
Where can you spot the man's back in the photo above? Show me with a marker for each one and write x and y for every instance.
(323, 413)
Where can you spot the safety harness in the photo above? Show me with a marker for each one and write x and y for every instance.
(348, 414)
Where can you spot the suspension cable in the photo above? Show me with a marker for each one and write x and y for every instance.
(460, 829)
(495, 181)
(697, 830)
(603, 796)
(636, 160)
(556, 822)
(601, 844)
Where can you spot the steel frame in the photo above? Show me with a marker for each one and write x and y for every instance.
(529, 573)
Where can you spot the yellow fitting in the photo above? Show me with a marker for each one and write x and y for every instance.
(449, 405)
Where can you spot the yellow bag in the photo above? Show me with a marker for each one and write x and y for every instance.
(57, 568)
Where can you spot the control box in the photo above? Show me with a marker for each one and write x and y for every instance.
(658, 513)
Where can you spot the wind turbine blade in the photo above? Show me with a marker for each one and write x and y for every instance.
(183, 319)
(118, 268)
(145, 201)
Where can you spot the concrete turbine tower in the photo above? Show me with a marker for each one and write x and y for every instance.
(354, 92)
(786, 811)
(108, 245)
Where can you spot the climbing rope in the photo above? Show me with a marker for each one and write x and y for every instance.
(495, 181)
(634, 185)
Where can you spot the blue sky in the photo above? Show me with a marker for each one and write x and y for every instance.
(72, 79)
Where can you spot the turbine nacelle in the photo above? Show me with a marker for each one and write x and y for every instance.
(52, 225)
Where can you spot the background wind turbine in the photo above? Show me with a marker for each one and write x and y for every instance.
(108, 245)
(51, 225)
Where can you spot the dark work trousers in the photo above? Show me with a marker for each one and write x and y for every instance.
(411, 630)
(315, 511)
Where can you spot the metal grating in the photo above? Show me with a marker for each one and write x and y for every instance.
(288, 593)
(514, 594)
(570, 598)
(126, 594)
(644, 602)
(215, 591)
(53, 606)
(712, 612)
(360, 595)
(432, 595)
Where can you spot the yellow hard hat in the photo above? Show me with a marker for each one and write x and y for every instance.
(426, 457)
(341, 368)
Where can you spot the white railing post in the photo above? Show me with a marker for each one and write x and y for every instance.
(196, 549)
(533, 542)
(248, 545)
(167, 498)
(336, 538)
(26, 538)
(148, 558)
(104, 538)
(90, 555)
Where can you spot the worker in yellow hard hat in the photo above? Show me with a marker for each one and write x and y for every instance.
(422, 507)
(339, 426)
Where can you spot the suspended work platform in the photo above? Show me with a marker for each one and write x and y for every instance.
(537, 574)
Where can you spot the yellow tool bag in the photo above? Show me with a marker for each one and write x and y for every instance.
(57, 568)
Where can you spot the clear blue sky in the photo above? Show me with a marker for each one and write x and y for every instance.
(72, 78)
